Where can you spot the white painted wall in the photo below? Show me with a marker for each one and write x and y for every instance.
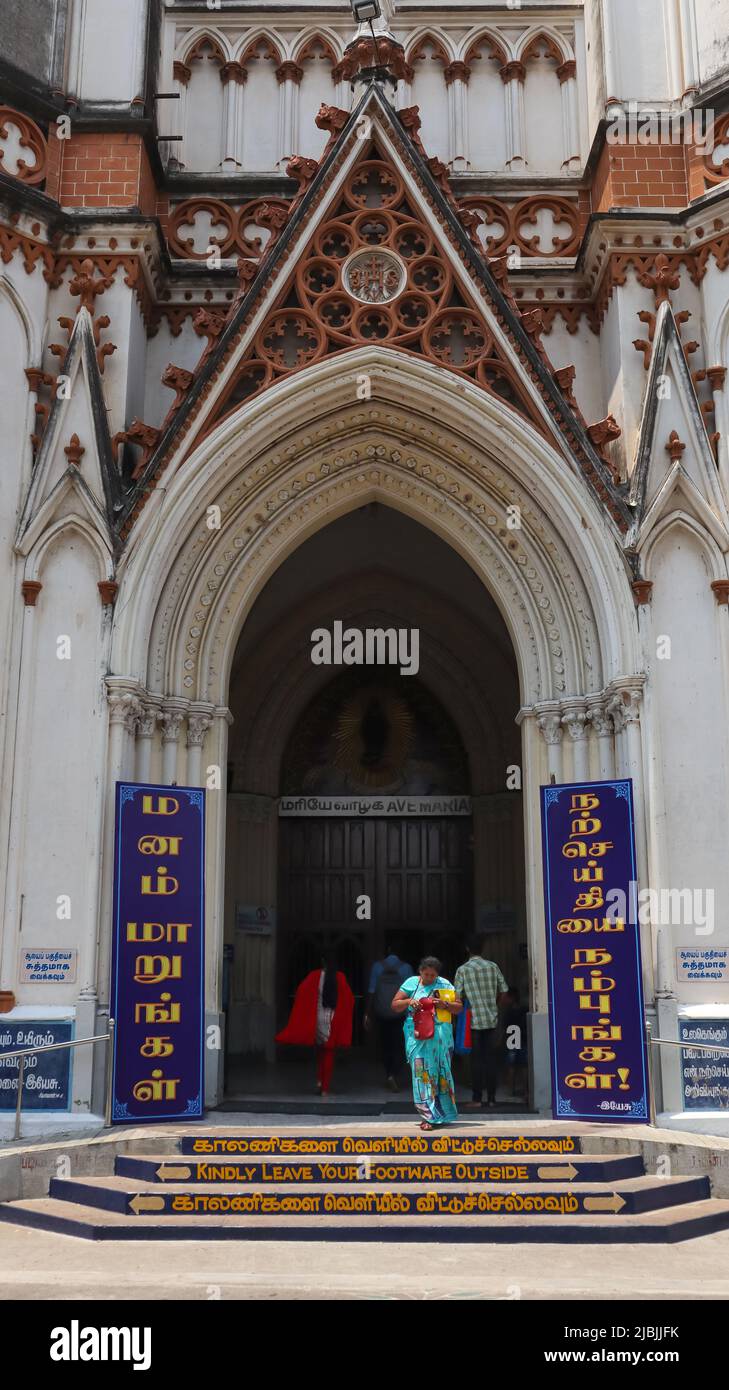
(55, 829)
(690, 707)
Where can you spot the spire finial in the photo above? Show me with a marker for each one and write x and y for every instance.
(373, 55)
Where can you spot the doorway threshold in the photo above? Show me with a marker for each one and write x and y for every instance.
(342, 1105)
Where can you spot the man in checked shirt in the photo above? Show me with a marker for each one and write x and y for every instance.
(481, 984)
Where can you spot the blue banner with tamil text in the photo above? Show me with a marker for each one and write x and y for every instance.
(596, 1017)
(158, 954)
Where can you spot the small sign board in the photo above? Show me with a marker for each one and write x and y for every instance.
(43, 966)
(254, 920)
(47, 1075)
(705, 1075)
(374, 806)
(696, 967)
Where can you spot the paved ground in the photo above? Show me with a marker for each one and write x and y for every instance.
(34, 1264)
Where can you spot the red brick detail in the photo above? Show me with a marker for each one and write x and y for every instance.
(651, 175)
(107, 592)
(720, 588)
(30, 589)
(105, 170)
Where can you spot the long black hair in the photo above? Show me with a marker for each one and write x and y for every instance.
(330, 988)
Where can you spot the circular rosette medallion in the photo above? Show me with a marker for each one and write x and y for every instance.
(374, 276)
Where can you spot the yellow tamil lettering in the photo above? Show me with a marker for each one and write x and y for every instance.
(157, 1047)
(159, 844)
(164, 886)
(151, 931)
(151, 970)
(163, 1011)
(166, 806)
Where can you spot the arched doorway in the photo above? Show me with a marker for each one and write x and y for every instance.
(446, 859)
(372, 733)
(188, 655)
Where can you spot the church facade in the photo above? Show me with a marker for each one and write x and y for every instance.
(417, 326)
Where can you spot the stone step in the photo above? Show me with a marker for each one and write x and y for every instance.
(431, 1168)
(476, 1142)
(628, 1197)
(669, 1224)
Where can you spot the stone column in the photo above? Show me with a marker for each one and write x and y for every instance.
(575, 721)
(603, 726)
(199, 720)
(289, 77)
(215, 819)
(172, 718)
(513, 75)
(148, 720)
(18, 792)
(689, 46)
(567, 74)
(232, 76)
(609, 50)
(456, 76)
(535, 727)
(125, 709)
(549, 723)
(624, 705)
(182, 74)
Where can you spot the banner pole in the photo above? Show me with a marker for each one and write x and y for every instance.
(19, 1102)
(109, 1075)
(651, 1088)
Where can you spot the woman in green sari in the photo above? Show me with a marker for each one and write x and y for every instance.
(419, 997)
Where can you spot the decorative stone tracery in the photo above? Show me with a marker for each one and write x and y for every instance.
(427, 317)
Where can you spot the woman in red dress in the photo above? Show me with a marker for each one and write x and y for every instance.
(321, 1017)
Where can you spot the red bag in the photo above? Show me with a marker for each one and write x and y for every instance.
(424, 1019)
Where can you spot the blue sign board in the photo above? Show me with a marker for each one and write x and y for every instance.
(705, 1075)
(158, 956)
(47, 1075)
(596, 1017)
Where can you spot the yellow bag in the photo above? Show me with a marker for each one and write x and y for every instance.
(444, 1015)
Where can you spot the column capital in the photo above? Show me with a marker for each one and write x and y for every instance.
(456, 72)
(149, 718)
(30, 589)
(181, 72)
(549, 723)
(199, 720)
(575, 719)
(125, 709)
(567, 70)
(289, 72)
(233, 72)
(600, 718)
(642, 591)
(720, 590)
(108, 590)
(172, 717)
(513, 72)
(624, 706)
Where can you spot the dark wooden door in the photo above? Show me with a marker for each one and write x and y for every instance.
(417, 873)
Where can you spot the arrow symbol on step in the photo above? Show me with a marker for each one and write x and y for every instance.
(612, 1203)
(167, 1172)
(565, 1173)
(140, 1203)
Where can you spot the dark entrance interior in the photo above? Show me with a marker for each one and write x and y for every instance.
(302, 732)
